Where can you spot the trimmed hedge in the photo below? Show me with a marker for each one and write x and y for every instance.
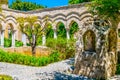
(28, 60)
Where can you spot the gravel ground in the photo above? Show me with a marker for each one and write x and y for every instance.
(22, 72)
(55, 71)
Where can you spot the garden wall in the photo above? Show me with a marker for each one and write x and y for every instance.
(40, 51)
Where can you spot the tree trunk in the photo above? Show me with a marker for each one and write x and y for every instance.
(33, 50)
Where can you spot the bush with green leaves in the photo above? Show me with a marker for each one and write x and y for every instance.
(64, 46)
(5, 77)
(29, 60)
(8, 42)
(118, 69)
(18, 43)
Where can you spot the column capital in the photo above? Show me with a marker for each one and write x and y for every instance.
(67, 29)
(55, 29)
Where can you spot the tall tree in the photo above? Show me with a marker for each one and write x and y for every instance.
(78, 1)
(31, 29)
(106, 9)
(25, 6)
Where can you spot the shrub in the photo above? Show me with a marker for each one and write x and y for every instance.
(5, 77)
(64, 46)
(8, 43)
(18, 43)
(118, 69)
(28, 60)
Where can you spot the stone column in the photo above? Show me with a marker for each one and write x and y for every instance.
(13, 38)
(43, 39)
(55, 33)
(24, 39)
(2, 38)
(67, 33)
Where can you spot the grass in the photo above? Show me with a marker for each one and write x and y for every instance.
(5, 77)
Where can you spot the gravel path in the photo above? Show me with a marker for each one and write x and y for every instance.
(55, 71)
(21, 72)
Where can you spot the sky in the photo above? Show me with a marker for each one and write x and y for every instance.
(48, 3)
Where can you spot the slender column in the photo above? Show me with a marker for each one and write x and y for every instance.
(55, 33)
(43, 39)
(13, 38)
(2, 38)
(67, 33)
(24, 39)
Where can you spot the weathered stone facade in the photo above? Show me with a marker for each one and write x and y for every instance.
(96, 54)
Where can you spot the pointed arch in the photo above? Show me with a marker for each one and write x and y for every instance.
(89, 40)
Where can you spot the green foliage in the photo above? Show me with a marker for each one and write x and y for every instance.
(5, 77)
(106, 10)
(29, 60)
(65, 47)
(25, 6)
(8, 43)
(31, 29)
(61, 31)
(78, 1)
(18, 43)
(49, 32)
(118, 69)
(73, 28)
(39, 41)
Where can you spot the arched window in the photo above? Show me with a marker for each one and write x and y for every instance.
(61, 31)
(73, 28)
(89, 41)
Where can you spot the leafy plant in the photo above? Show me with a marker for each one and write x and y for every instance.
(29, 60)
(5, 77)
(64, 46)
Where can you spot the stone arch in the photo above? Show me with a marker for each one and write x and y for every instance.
(57, 22)
(2, 17)
(73, 28)
(3, 25)
(112, 40)
(73, 16)
(0, 26)
(89, 40)
(11, 18)
(61, 29)
(49, 30)
(59, 15)
(8, 30)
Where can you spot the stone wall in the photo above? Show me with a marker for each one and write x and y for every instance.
(40, 51)
(101, 62)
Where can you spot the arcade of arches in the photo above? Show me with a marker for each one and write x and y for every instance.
(93, 45)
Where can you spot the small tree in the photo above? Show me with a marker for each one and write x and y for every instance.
(31, 29)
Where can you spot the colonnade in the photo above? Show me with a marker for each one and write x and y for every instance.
(24, 37)
(2, 34)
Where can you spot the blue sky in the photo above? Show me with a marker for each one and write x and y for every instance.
(48, 3)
